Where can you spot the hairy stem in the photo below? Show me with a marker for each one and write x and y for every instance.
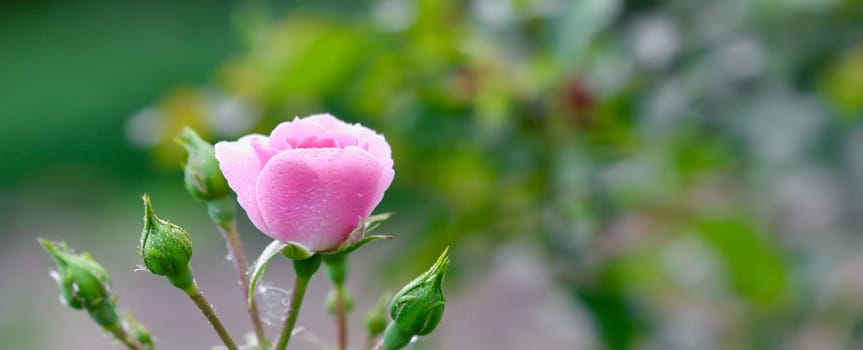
(341, 319)
(238, 258)
(207, 309)
(337, 270)
(120, 334)
(300, 285)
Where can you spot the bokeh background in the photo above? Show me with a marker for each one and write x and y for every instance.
(609, 174)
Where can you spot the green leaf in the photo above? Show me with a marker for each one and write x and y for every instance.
(260, 266)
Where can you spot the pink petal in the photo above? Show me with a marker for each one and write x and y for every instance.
(317, 196)
(317, 142)
(288, 134)
(343, 138)
(377, 146)
(241, 165)
(326, 121)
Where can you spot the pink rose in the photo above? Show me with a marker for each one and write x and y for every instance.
(312, 181)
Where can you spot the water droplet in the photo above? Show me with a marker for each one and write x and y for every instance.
(55, 275)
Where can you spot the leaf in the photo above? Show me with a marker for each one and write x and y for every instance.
(260, 265)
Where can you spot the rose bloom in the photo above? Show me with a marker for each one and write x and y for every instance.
(312, 181)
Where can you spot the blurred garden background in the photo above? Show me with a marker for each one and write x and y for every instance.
(609, 174)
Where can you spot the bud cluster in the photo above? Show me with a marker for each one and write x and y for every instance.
(85, 284)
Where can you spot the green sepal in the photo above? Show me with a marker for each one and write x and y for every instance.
(295, 251)
(350, 248)
(358, 236)
(260, 266)
(292, 251)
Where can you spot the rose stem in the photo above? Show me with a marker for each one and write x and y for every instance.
(341, 320)
(120, 334)
(227, 227)
(304, 269)
(337, 270)
(198, 298)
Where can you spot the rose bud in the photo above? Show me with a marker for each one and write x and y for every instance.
(311, 181)
(84, 283)
(418, 307)
(203, 178)
(165, 248)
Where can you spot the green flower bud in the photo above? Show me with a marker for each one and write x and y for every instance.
(165, 248)
(418, 307)
(203, 178)
(83, 282)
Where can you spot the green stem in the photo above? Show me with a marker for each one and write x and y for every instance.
(120, 334)
(228, 229)
(300, 285)
(207, 309)
(337, 270)
(341, 319)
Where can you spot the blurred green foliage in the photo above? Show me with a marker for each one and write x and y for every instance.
(665, 156)
(639, 143)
